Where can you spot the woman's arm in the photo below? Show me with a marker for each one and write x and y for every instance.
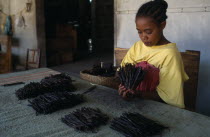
(150, 95)
(128, 94)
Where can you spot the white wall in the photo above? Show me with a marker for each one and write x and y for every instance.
(23, 38)
(4, 6)
(188, 25)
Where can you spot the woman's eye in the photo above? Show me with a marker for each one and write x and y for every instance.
(139, 32)
(149, 32)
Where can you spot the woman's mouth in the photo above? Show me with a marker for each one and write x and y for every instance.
(147, 43)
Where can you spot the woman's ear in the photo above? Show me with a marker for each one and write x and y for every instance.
(163, 25)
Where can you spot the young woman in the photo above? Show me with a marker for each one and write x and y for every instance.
(155, 49)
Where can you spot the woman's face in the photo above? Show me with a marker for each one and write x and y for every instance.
(149, 31)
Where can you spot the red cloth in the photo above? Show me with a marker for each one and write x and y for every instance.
(151, 78)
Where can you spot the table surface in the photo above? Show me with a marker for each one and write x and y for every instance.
(19, 120)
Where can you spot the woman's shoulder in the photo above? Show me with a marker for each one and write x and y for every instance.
(170, 49)
(137, 45)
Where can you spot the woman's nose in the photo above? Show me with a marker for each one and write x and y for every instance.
(144, 37)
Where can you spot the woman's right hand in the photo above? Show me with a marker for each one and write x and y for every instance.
(125, 93)
(121, 90)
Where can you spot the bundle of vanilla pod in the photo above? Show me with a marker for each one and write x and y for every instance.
(51, 102)
(59, 82)
(136, 125)
(130, 76)
(54, 83)
(85, 119)
(102, 69)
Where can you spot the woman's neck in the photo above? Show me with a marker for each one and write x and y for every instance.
(163, 41)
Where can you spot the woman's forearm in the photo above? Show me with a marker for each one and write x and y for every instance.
(150, 95)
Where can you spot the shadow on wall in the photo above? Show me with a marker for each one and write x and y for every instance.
(15, 57)
(203, 92)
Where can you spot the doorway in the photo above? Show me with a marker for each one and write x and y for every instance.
(71, 30)
(67, 28)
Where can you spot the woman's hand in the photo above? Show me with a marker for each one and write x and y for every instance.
(125, 93)
(128, 94)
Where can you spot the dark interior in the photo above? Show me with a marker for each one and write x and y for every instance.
(68, 28)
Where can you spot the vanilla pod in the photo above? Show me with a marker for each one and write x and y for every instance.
(30, 90)
(85, 119)
(136, 125)
(54, 83)
(105, 70)
(130, 76)
(51, 102)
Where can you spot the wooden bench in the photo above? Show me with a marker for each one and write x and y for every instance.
(191, 60)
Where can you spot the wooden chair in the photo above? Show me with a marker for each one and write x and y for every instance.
(32, 59)
(191, 60)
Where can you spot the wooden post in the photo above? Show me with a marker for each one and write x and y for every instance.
(6, 58)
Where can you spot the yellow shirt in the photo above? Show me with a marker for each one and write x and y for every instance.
(168, 59)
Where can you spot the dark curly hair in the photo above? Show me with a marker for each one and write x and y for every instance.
(155, 9)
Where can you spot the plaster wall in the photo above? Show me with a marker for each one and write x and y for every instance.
(23, 37)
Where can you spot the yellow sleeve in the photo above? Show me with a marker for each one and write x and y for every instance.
(129, 57)
(170, 88)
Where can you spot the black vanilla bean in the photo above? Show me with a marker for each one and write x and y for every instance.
(131, 76)
(54, 83)
(136, 125)
(51, 102)
(85, 119)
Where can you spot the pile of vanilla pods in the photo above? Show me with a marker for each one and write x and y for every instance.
(102, 69)
(54, 83)
(130, 76)
(136, 125)
(85, 119)
(51, 102)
